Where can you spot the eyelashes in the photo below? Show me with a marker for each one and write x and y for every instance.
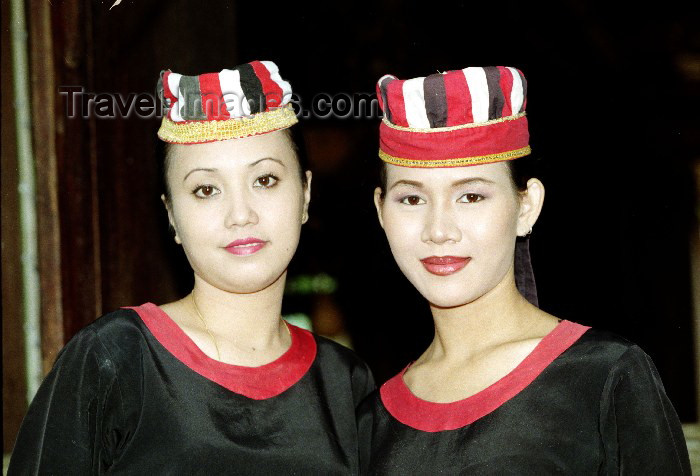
(471, 198)
(205, 191)
(413, 200)
(265, 181)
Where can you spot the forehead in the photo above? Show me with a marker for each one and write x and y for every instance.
(498, 173)
(233, 152)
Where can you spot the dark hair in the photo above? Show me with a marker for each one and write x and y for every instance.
(294, 135)
(521, 170)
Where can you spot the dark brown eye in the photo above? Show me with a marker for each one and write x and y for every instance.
(266, 181)
(205, 191)
(471, 198)
(412, 200)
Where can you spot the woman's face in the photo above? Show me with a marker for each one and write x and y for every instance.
(452, 231)
(237, 207)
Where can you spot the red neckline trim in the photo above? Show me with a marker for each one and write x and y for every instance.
(258, 383)
(432, 417)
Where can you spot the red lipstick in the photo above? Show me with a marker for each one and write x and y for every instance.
(246, 246)
(444, 265)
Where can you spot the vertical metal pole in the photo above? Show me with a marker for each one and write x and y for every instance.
(27, 199)
(695, 282)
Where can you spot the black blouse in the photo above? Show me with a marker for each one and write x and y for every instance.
(583, 402)
(132, 394)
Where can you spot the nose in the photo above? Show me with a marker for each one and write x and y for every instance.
(241, 210)
(441, 226)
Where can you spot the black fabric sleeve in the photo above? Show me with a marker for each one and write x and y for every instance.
(73, 424)
(363, 386)
(640, 429)
(362, 383)
(365, 423)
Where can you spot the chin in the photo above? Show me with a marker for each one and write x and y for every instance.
(251, 284)
(450, 296)
(449, 301)
(243, 281)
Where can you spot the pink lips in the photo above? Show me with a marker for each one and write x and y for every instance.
(444, 265)
(246, 246)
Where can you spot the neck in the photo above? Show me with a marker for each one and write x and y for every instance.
(254, 319)
(499, 316)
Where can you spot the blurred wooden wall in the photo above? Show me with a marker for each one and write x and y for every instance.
(13, 382)
(103, 235)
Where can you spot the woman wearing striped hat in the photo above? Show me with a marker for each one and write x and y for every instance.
(217, 382)
(504, 387)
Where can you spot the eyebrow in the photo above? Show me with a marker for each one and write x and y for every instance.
(267, 158)
(413, 183)
(198, 170)
(203, 169)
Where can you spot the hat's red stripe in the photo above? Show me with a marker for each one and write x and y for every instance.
(213, 103)
(495, 138)
(459, 101)
(395, 101)
(272, 91)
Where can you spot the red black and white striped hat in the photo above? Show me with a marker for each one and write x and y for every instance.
(247, 100)
(464, 117)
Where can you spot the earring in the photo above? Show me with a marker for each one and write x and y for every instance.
(527, 234)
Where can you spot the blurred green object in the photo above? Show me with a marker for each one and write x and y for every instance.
(305, 284)
(299, 319)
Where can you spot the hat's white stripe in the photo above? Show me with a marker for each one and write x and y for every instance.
(275, 76)
(479, 90)
(414, 100)
(516, 93)
(232, 91)
(174, 86)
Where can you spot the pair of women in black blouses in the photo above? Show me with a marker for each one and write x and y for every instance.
(218, 383)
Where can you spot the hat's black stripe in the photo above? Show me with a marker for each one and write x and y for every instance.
(382, 88)
(496, 98)
(192, 110)
(435, 100)
(252, 88)
(160, 91)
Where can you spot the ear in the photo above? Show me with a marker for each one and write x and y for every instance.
(168, 209)
(307, 197)
(378, 201)
(531, 202)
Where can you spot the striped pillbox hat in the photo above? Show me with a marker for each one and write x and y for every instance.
(247, 100)
(464, 117)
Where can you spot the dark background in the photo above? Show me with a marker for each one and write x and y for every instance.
(613, 95)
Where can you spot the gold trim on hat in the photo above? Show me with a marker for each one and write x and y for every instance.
(193, 132)
(453, 128)
(457, 162)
